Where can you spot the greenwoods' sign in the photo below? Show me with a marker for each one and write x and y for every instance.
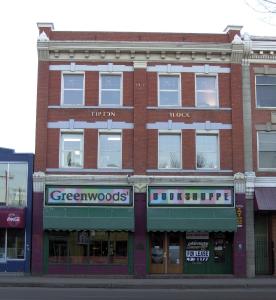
(89, 195)
(190, 196)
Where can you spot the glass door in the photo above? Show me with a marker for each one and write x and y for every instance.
(175, 253)
(157, 259)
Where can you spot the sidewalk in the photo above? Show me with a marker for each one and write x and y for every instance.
(132, 283)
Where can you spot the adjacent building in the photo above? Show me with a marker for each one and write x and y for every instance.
(16, 172)
(259, 90)
(139, 165)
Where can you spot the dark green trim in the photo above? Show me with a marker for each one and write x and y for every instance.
(89, 218)
(191, 219)
(45, 252)
(148, 253)
(130, 253)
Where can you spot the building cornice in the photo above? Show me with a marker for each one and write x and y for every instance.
(138, 51)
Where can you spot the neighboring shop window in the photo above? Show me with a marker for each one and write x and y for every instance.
(12, 244)
(88, 247)
(267, 150)
(71, 150)
(265, 91)
(111, 89)
(219, 247)
(73, 89)
(13, 184)
(169, 151)
(169, 90)
(206, 91)
(110, 150)
(197, 247)
(207, 151)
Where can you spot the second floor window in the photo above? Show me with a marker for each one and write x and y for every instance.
(267, 150)
(206, 91)
(169, 151)
(111, 89)
(207, 151)
(110, 150)
(13, 184)
(71, 150)
(266, 91)
(169, 90)
(73, 89)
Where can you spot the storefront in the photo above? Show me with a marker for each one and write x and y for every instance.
(88, 229)
(191, 230)
(265, 234)
(15, 211)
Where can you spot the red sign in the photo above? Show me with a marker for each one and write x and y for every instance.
(12, 217)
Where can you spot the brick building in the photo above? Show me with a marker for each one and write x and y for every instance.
(16, 172)
(259, 88)
(139, 153)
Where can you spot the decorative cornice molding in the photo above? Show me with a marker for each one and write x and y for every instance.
(38, 182)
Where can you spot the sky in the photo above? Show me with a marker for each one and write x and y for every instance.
(18, 34)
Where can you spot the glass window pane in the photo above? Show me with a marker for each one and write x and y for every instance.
(111, 81)
(207, 151)
(267, 150)
(157, 248)
(206, 99)
(2, 244)
(206, 82)
(73, 97)
(110, 151)
(169, 151)
(110, 97)
(3, 183)
(267, 160)
(266, 95)
(18, 182)
(267, 79)
(73, 81)
(99, 247)
(15, 244)
(169, 98)
(169, 82)
(72, 150)
(58, 251)
(118, 248)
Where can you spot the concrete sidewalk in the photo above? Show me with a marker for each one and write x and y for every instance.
(133, 283)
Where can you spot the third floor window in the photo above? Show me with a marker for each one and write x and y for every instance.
(169, 90)
(266, 91)
(206, 91)
(111, 89)
(73, 89)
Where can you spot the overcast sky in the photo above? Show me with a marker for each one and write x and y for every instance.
(18, 33)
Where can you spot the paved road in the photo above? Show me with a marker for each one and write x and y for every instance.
(127, 294)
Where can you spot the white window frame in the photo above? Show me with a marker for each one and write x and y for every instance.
(81, 132)
(171, 132)
(121, 88)
(217, 89)
(62, 88)
(258, 150)
(210, 133)
(256, 102)
(179, 89)
(120, 132)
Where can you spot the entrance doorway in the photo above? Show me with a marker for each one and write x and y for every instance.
(166, 253)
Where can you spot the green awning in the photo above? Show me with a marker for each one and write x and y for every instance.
(191, 219)
(89, 218)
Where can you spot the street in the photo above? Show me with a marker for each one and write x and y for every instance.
(10, 293)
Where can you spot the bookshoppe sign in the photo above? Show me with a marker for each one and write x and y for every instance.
(89, 195)
(190, 196)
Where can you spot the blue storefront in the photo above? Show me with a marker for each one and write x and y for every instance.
(16, 172)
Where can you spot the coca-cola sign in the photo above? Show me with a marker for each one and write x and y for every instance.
(12, 217)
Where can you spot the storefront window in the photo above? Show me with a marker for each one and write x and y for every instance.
(15, 244)
(157, 251)
(88, 247)
(2, 244)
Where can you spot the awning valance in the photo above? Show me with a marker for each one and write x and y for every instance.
(191, 219)
(265, 198)
(89, 218)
